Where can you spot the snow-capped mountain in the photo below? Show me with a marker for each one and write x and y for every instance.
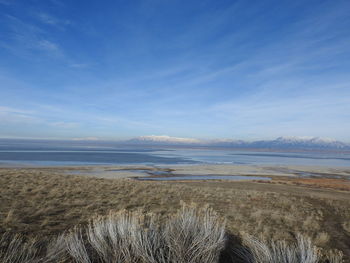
(163, 139)
(279, 143)
(301, 143)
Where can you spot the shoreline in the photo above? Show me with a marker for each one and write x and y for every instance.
(198, 169)
(336, 178)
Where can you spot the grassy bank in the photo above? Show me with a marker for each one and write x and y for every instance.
(46, 202)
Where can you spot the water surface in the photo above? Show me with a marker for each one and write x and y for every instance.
(49, 153)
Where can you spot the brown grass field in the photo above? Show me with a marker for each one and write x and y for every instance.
(43, 202)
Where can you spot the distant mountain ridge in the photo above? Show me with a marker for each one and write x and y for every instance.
(279, 143)
(163, 139)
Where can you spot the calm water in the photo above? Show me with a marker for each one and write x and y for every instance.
(68, 153)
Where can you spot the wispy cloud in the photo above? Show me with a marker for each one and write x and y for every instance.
(225, 70)
(4, 109)
(25, 37)
(52, 20)
(14, 115)
(48, 46)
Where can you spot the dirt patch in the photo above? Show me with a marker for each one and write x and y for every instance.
(336, 184)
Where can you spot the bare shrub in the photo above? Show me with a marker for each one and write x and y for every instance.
(195, 236)
(257, 251)
(192, 235)
(76, 248)
(333, 256)
(150, 244)
(113, 238)
(56, 250)
(13, 249)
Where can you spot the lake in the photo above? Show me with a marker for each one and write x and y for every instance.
(66, 154)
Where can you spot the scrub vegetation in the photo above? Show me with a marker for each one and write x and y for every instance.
(45, 213)
(192, 235)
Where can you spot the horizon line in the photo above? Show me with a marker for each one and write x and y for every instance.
(105, 139)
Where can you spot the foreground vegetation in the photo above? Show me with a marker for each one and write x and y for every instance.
(191, 236)
(44, 203)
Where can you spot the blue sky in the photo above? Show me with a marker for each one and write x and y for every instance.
(204, 69)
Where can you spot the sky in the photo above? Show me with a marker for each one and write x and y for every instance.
(200, 69)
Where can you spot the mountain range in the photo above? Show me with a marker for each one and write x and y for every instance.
(279, 143)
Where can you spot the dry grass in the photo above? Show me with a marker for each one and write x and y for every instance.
(192, 235)
(45, 203)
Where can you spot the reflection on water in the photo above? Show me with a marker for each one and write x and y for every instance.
(205, 177)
